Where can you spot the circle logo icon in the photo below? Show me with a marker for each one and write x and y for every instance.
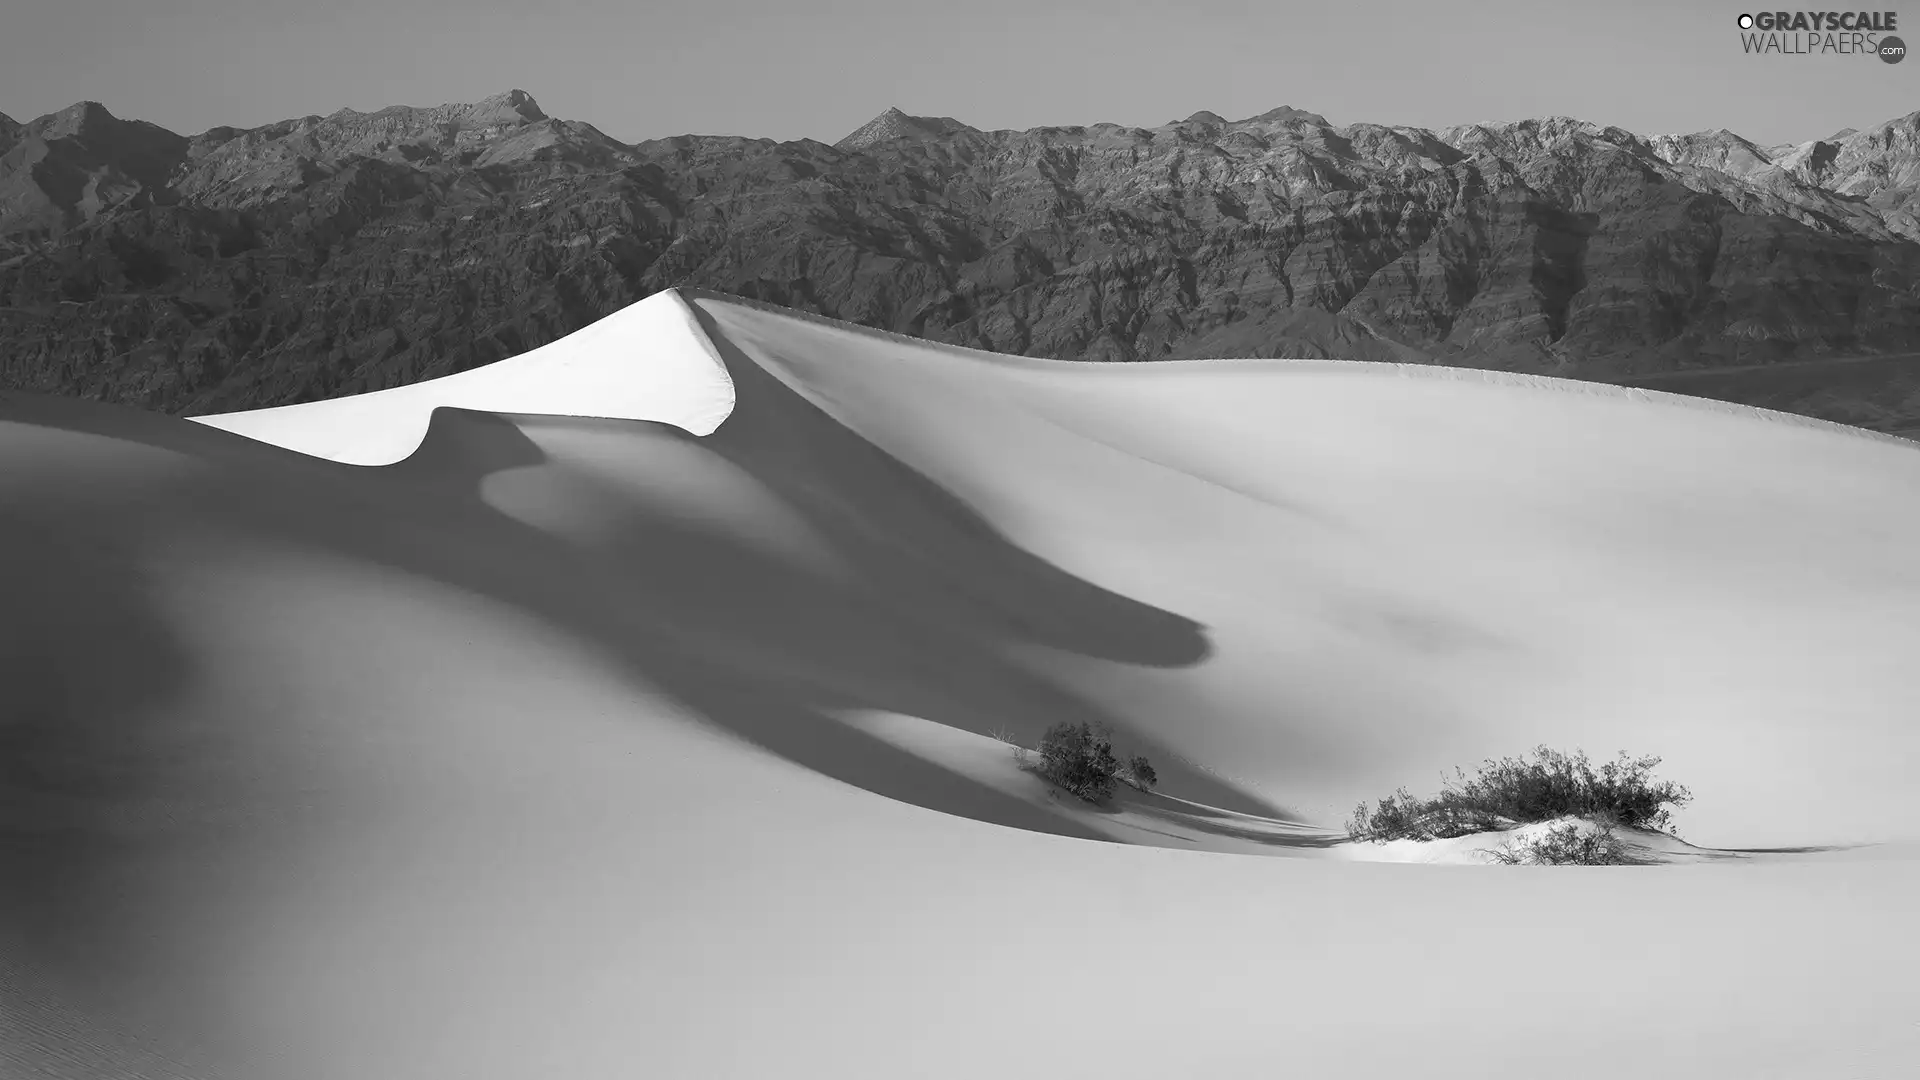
(1746, 22)
(1892, 50)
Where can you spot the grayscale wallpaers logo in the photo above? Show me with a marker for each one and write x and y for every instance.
(1823, 33)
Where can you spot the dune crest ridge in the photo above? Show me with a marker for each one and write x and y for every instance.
(648, 361)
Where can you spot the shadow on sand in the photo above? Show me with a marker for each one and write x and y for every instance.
(768, 650)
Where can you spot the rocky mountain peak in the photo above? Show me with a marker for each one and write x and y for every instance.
(83, 161)
(512, 107)
(74, 120)
(1288, 114)
(1718, 149)
(896, 124)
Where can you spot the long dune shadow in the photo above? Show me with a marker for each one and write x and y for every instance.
(772, 652)
(91, 664)
(756, 645)
(710, 618)
(924, 630)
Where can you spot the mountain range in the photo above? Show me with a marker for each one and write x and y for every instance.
(325, 255)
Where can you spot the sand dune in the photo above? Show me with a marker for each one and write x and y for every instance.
(636, 720)
(595, 372)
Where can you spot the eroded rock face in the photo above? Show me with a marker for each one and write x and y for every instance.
(328, 255)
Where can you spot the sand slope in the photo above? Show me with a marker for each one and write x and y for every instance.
(645, 731)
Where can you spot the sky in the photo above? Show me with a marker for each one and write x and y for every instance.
(790, 69)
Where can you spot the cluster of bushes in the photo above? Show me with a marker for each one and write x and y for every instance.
(1566, 844)
(1080, 759)
(1516, 791)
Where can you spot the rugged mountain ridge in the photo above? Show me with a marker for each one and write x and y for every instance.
(323, 255)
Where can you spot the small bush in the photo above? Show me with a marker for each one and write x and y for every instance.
(1398, 815)
(1079, 759)
(1566, 844)
(1140, 773)
(1517, 791)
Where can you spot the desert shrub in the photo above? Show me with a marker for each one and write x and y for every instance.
(1140, 773)
(1401, 815)
(1555, 785)
(1516, 791)
(1079, 759)
(1566, 844)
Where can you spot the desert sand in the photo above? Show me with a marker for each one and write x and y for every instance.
(628, 709)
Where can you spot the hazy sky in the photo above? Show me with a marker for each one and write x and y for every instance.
(789, 69)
